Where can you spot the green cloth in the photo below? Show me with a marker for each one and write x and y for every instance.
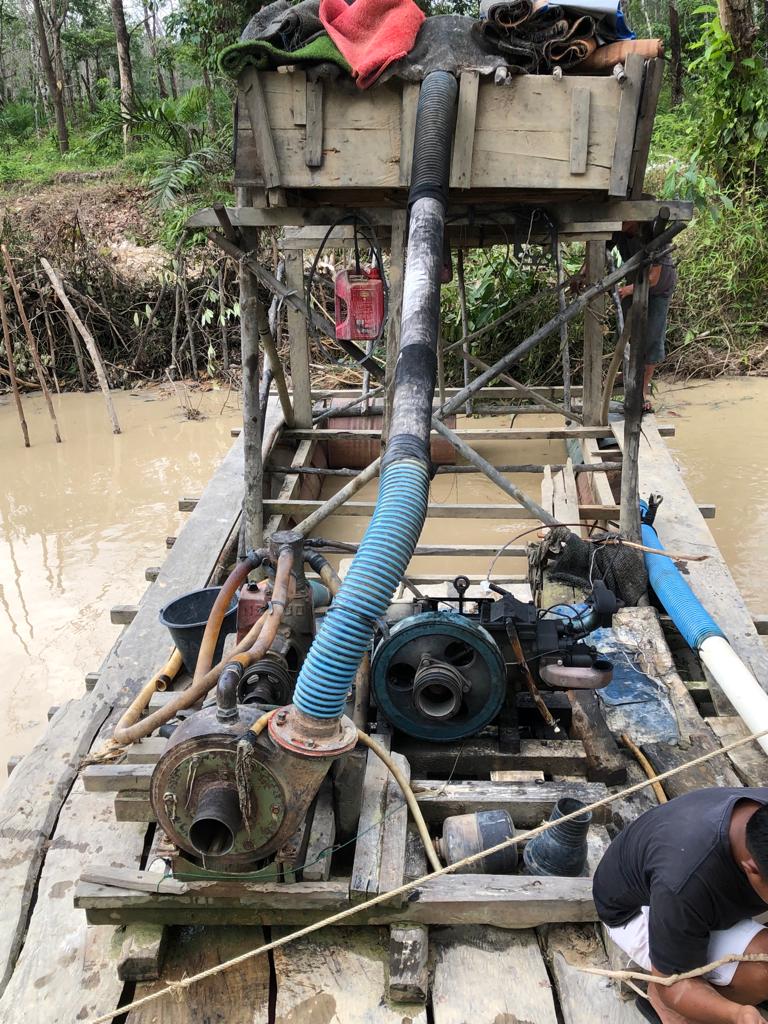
(263, 55)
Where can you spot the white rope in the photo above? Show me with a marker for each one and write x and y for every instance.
(175, 988)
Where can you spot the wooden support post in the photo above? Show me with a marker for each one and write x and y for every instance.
(270, 351)
(604, 759)
(565, 352)
(30, 341)
(593, 336)
(12, 369)
(252, 427)
(409, 944)
(299, 342)
(633, 410)
(461, 288)
(89, 340)
(396, 277)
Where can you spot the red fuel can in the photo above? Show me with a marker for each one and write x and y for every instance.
(359, 304)
(251, 606)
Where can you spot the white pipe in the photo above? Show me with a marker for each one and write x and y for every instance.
(749, 699)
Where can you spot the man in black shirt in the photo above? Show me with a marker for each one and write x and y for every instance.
(679, 888)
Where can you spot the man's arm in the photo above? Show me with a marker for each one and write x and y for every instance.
(696, 999)
(653, 279)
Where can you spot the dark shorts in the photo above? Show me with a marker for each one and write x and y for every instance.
(656, 328)
(658, 310)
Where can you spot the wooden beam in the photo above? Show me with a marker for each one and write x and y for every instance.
(299, 509)
(313, 147)
(528, 804)
(593, 336)
(472, 433)
(580, 97)
(464, 136)
(299, 343)
(625, 126)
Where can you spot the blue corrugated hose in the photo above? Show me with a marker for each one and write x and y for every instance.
(693, 621)
(375, 572)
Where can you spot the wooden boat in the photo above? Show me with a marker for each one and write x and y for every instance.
(88, 924)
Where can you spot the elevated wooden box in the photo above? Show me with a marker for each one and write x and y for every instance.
(531, 138)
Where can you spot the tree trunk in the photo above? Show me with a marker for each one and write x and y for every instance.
(676, 56)
(738, 20)
(54, 87)
(150, 27)
(209, 104)
(124, 65)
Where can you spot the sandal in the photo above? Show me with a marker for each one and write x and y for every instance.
(646, 1011)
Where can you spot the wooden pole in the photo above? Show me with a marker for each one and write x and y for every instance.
(633, 410)
(299, 343)
(253, 511)
(565, 352)
(613, 369)
(90, 342)
(12, 369)
(31, 341)
(306, 526)
(461, 288)
(593, 336)
(223, 324)
(270, 350)
(78, 354)
(396, 272)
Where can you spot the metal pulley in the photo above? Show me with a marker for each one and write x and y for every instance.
(438, 676)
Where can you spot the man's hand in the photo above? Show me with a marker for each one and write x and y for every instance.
(748, 1015)
(626, 291)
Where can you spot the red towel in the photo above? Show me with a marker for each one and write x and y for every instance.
(371, 34)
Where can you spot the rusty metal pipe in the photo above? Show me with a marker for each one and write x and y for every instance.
(217, 821)
(228, 590)
(131, 715)
(199, 688)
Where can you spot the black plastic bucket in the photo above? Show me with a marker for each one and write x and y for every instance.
(185, 619)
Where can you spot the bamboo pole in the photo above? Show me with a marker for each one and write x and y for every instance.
(12, 369)
(31, 341)
(87, 337)
(529, 467)
(613, 369)
(268, 344)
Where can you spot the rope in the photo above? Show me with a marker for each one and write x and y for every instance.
(175, 987)
(672, 979)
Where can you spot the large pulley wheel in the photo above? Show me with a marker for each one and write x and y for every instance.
(439, 676)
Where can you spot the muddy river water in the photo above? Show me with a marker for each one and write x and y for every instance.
(80, 521)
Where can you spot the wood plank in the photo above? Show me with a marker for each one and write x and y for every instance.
(508, 901)
(480, 755)
(365, 868)
(626, 126)
(255, 104)
(409, 944)
(299, 508)
(31, 803)
(464, 136)
(585, 998)
(654, 78)
(579, 130)
(299, 79)
(605, 762)
(322, 833)
(750, 761)
(299, 344)
(239, 995)
(394, 830)
(410, 102)
(571, 498)
(109, 778)
(313, 156)
(528, 804)
(486, 974)
(122, 614)
(142, 952)
(467, 434)
(681, 528)
(338, 974)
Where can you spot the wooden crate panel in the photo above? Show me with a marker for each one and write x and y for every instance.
(523, 135)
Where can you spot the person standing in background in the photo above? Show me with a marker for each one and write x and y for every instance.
(662, 279)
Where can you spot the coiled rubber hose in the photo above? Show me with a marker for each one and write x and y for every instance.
(694, 623)
(401, 507)
(376, 570)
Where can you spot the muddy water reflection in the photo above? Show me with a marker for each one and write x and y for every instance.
(722, 446)
(79, 522)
